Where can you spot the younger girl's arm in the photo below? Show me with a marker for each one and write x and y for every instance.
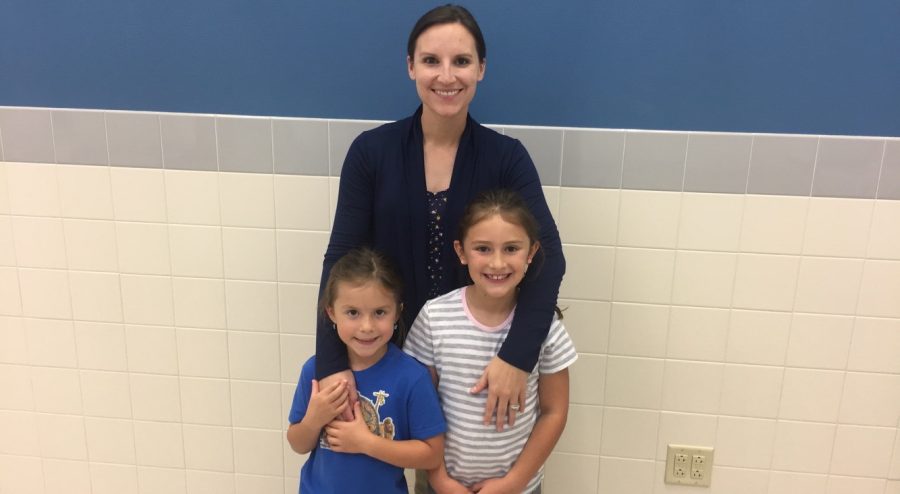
(323, 407)
(553, 393)
(355, 437)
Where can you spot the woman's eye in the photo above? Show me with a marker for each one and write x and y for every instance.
(430, 60)
(462, 62)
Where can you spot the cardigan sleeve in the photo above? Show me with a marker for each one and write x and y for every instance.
(352, 228)
(537, 295)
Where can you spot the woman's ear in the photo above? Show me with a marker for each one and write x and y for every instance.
(457, 246)
(409, 67)
(482, 66)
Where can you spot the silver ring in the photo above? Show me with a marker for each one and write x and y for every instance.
(514, 408)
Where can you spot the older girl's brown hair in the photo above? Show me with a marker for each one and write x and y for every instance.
(510, 206)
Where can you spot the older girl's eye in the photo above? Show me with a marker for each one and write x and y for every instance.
(512, 249)
(380, 312)
(482, 248)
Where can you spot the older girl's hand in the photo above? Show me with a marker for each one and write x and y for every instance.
(499, 485)
(506, 391)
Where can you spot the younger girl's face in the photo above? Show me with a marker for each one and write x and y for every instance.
(497, 254)
(365, 314)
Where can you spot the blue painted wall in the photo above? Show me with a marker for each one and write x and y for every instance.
(805, 66)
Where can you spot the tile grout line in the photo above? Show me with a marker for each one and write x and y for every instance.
(227, 329)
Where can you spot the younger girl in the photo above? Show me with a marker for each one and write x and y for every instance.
(458, 333)
(397, 420)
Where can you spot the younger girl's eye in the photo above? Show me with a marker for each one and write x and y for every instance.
(352, 312)
(481, 248)
(512, 249)
(380, 312)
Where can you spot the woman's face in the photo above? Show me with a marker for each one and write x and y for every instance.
(446, 69)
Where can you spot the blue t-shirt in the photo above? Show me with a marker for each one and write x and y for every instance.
(398, 401)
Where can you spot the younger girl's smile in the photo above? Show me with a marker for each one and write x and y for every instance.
(364, 315)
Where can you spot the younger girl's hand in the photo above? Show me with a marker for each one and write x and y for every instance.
(325, 405)
(506, 391)
(347, 377)
(350, 437)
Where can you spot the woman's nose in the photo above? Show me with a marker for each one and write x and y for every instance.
(446, 73)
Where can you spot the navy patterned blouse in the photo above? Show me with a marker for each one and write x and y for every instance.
(436, 202)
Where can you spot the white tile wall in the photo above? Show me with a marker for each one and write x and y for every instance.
(152, 324)
(85, 192)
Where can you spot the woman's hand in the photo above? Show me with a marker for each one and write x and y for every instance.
(326, 403)
(506, 391)
(347, 377)
(350, 437)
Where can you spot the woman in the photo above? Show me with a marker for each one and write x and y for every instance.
(404, 186)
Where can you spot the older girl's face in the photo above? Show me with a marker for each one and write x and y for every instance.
(446, 69)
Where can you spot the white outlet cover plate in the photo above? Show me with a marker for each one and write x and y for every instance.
(690, 452)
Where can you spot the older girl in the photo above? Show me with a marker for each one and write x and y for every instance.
(457, 333)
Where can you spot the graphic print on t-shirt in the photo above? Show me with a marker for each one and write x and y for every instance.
(384, 428)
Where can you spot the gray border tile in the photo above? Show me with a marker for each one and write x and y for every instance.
(782, 165)
(189, 142)
(245, 144)
(717, 163)
(134, 139)
(592, 158)
(80, 137)
(889, 182)
(300, 146)
(847, 167)
(27, 135)
(340, 135)
(545, 148)
(654, 161)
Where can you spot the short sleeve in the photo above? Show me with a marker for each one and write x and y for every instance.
(303, 392)
(425, 417)
(558, 351)
(419, 342)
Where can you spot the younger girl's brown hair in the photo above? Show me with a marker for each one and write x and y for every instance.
(362, 265)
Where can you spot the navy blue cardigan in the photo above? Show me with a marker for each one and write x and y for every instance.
(381, 204)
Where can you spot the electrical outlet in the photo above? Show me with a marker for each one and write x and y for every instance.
(689, 465)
